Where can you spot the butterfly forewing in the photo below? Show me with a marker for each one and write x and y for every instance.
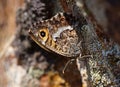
(58, 35)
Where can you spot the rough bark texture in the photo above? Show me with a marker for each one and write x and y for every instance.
(104, 66)
(101, 73)
(99, 68)
(23, 58)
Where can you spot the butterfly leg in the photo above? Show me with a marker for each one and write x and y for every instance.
(70, 61)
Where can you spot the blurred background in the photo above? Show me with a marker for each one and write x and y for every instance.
(23, 63)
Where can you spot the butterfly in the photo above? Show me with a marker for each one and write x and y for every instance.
(61, 34)
(58, 35)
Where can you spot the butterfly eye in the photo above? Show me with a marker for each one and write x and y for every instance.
(42, 33)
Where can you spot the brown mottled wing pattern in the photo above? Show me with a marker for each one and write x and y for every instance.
(60, 35)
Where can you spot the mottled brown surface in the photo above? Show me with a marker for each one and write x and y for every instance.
(29, 55)
(104, 16)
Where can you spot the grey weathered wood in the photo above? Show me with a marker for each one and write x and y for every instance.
(99, 71)
(100, 74)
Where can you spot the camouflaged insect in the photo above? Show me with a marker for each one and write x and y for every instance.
(58, 35)
(61, 35)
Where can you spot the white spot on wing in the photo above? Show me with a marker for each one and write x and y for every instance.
(43, 42)
(60, 30)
